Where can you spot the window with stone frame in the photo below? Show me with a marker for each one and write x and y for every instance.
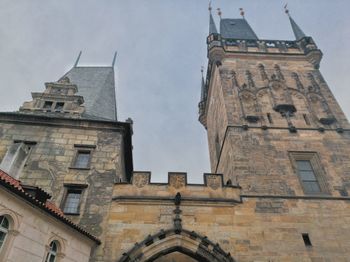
(72, 199)
(4, 228)
(310, 172)
(48, 105)
(59, 106)
(52, 253)
(82, 159)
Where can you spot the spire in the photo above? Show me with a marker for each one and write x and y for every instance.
(77, 61)
(299, 34)
(114, 58)
(212, 26)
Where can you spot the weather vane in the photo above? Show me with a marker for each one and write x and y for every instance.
(241, 12)
(219, 12)
(286, 9)
(209, 8)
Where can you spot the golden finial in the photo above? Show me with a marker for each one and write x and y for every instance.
(219, 12)
(241, 11)
(286, 10)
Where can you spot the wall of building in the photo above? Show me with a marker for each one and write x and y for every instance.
(260, 160)
(256, 154)
(31, 232)
(49, 164)
(251, 229)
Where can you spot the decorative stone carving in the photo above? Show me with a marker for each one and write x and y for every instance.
(226, 74)
(262, 72)
(321, 110)
(140, 179)
(298, 83)
(250, 80)
(314, 85)
(234, 78)
(249, 105)
(279, 72)
(177, 180)
(214, 181)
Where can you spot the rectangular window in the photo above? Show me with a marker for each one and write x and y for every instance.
(59, 106)
(72, 202)
(48, 105)
(72, 198)
(82, 159)
(307, 176)
(310, 172)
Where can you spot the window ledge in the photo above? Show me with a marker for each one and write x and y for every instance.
(80, 168)
(71, 214)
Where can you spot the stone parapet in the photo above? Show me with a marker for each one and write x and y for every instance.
(142, 189)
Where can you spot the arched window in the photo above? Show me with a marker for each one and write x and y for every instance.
(52, 254)
(4, 228)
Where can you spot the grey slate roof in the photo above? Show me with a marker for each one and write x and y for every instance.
(96, 85)
(237, 29)
(212, 26)
(296, 29)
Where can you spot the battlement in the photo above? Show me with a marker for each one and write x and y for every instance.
(303, 46)
(142, 189)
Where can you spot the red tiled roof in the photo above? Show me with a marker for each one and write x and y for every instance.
(9, 179)
(15, 186)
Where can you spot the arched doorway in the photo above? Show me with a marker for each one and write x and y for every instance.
(174, 244)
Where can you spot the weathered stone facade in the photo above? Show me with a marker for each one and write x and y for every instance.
(50, 165)
(275, 133)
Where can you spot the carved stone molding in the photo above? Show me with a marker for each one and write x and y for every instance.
(177, 180)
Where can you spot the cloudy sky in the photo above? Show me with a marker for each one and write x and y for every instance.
(161, 47)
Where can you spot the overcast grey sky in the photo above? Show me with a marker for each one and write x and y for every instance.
(161, 46)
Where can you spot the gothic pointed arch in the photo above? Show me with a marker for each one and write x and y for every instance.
(187, 242)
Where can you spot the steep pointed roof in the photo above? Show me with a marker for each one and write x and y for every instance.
(96, 85)
(212, 26)
(299, 34)
(237, 29)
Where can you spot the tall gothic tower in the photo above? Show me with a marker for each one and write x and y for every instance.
(273, 124)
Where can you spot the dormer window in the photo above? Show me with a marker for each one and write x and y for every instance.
(59, 106)
(48, 105)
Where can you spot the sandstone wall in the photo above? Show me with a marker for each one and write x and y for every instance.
(31, 232)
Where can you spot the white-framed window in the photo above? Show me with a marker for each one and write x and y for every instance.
(4, 230)
(53, 251)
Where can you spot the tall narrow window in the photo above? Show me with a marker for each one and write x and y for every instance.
(4, 227)
(52, 254)
(307, 177)
(309, 169)
(269, 118)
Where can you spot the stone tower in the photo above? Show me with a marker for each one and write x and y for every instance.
(273, 124)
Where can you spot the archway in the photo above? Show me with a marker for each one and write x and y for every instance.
(189, 243)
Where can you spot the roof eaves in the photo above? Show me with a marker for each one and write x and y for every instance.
(18, 190)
